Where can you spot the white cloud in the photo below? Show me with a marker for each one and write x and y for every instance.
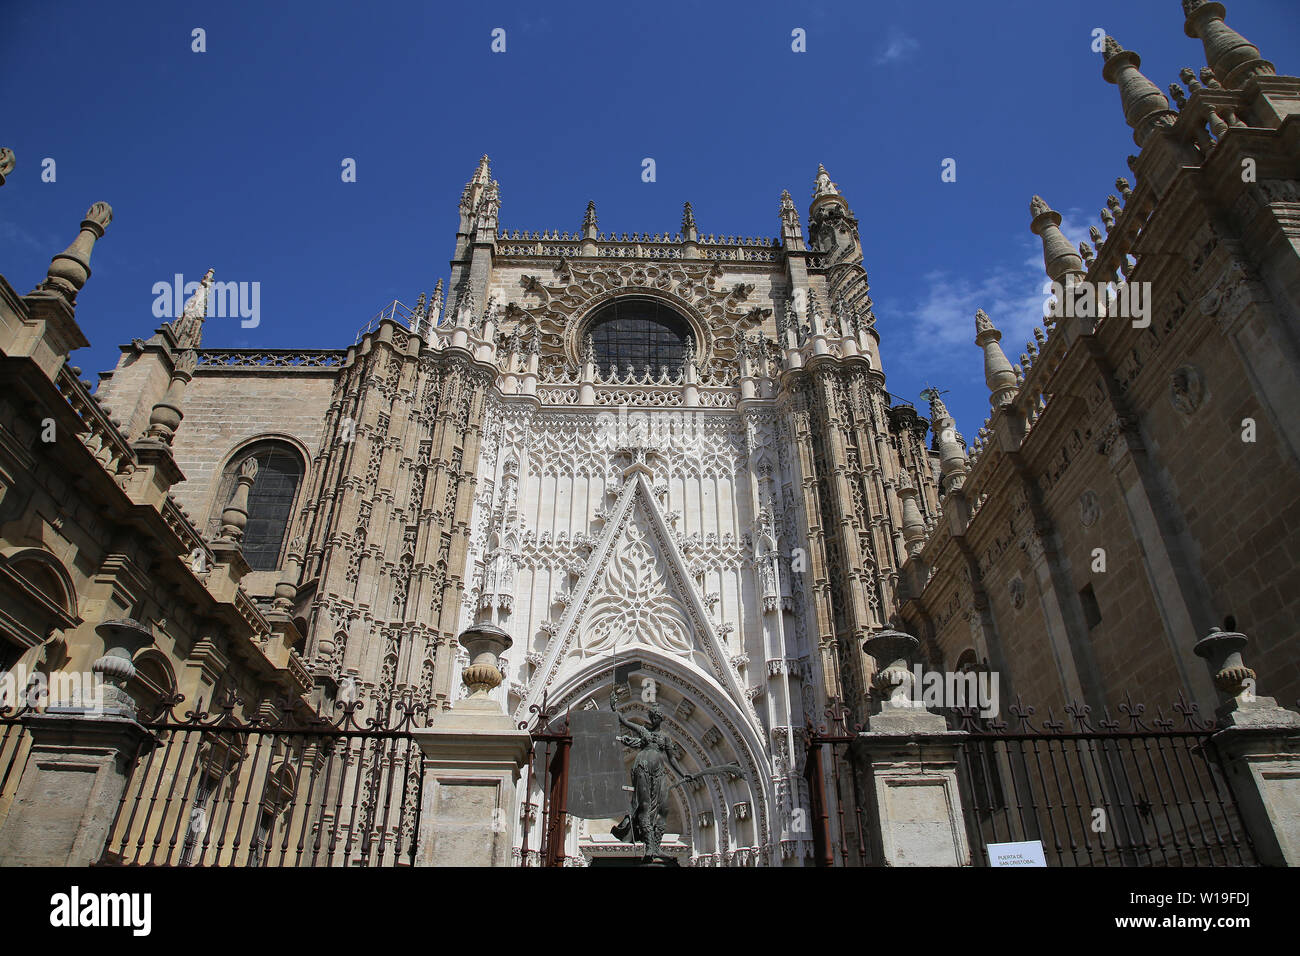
(899, 47)
(933, 329)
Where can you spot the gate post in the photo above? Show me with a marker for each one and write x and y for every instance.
(473, 754)
(912, 759)
(80, 756)
(1259, 750)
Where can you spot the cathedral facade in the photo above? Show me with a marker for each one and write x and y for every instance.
(678, 454)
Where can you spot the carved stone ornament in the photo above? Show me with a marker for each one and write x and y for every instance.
(1187, 389)
(1017, 591)
(1089, 508)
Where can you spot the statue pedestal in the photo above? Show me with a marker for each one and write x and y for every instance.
(472, 757)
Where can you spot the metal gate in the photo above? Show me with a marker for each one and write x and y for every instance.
(1134, 791)
(544, 818)
(211, 790)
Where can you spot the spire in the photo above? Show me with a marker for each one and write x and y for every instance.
(688, 223)
(590, 225)
(1059, 257)
(70, 269)
(473, 193)
(998, 374)
(435, 305)
(791, 232)
(188, 326)
(913, 523)
(1233, 59)
(953, 466)
(823, 185)
(1145, 107)
(418, 315)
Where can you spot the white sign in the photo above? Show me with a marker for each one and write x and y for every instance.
(1029, 853)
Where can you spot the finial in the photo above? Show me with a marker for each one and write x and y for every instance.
(1179, 97)
(1107, 219)
(589, 221)
(70, 269)
(1059, 259)
(1207, 77)
(1124, 188)
(1145, 107)
(1095, 235)
(435, 305)
(1085, 253)
(688, 219)
(7, 162)
(824, 186)
(1112, 203)
(1189, 78)
(1231, 57)
(982, 322)
(1111, 47)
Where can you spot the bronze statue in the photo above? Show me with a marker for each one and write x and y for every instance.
(649, 812)
(645, 823)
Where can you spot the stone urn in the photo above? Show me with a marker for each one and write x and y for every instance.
(1222, 651)
(893, 651)
(485, 644)
(123, 639)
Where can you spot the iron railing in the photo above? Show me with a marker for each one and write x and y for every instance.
(208, 789)
(1136, 790)
(544, 818)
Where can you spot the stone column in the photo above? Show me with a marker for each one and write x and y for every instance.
(911, 758)
(472, 757)
(77, 768)
(1259, 749)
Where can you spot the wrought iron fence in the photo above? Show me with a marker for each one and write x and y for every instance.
(1096, 791)
(209, 789)
(837, 790)
(1136, 790)
(544, 818)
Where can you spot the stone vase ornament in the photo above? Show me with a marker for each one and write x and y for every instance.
(485, 643)
(893, 652)
(123, 639)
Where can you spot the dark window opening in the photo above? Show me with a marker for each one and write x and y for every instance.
(1091, 610)
(270, 502)
(642, 333)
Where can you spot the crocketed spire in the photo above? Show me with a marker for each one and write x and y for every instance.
(1145, 107)
(188, 327)
(998, 373)
(689, 232)
(1232, 58)
(590, 225)
(473, 192)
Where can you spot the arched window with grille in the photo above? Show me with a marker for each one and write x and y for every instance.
(641, 333)
(271, 499)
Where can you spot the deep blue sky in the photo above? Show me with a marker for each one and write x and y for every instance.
(231, 158)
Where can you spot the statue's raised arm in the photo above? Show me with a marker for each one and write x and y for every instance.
(623, 721)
